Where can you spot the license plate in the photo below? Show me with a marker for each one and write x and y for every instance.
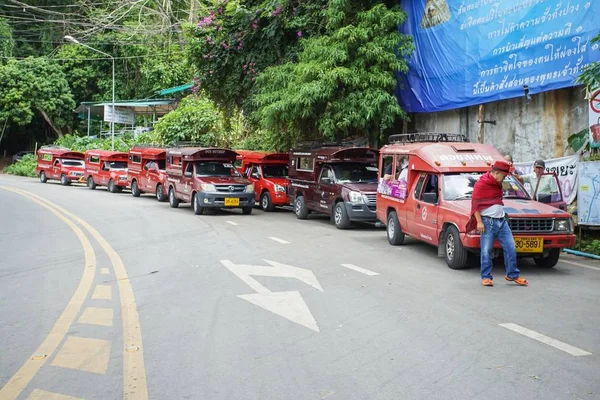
(232, 202)
(529, 244)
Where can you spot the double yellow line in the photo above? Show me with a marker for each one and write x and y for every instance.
(134, 372)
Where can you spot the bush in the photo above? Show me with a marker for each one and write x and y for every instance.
(24, 167)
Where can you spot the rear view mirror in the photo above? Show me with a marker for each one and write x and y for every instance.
(187, 174)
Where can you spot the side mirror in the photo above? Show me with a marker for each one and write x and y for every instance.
(187, 174)
(255, 175)
(430, 198)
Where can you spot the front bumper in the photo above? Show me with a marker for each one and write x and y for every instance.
(280, 199)
(121, 183)
(217, 199)
(361, 212)
(73, 178)
(551, 241)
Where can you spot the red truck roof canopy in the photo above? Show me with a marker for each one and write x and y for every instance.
(150, 153)
(107, 155)
(202, 153)
(263, 157)
(339, 154)
(61, 152)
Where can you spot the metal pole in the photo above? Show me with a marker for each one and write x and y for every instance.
(89, 121)
(112, 122)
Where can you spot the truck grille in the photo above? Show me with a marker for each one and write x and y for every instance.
(371, 199)
(531, 225)
(230, 188)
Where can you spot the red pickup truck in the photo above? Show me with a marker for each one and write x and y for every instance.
(106, 168)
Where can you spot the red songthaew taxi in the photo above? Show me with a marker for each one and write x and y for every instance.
(146, 171)
(106, 168)
(269, 174)
(425, 188)
(59, 163)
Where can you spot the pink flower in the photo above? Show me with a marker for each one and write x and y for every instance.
(245, 66)
(225, 45)
(299, 33)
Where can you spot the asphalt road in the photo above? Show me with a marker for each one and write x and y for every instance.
(110, 296)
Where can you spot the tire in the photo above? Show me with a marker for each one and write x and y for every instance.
(198, 209)
(111, 186)
(160, 193)
(394, 231)
(247, 210)
(43, 177)
(454, 252)
(135, 189)
(340, 216)
(90, 183)
(64, 181)
(266, 203)
(549, 261)
(173, 201)
(300, 208)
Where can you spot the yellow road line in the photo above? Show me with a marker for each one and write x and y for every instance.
(102, 292)
(25, 374)
(97, 316)
(84, 354)
(38, 394)
(134, 371)
(104, 271)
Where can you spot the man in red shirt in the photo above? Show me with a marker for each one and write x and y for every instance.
(487, 211)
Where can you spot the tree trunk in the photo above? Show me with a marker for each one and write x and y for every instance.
(55, 128)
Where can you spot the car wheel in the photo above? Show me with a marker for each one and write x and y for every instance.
(135, 189)
(43, 177)
(454, 252)
(265, 202)
(394, 232)
(90, 183)
(173, 201)
(247, 210)
(198, 209)
(548, 261)
(160, 193)
(64, 181)
(340, 216)
(300, 208)
(111, 186)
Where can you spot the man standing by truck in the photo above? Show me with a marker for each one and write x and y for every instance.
(487, 211)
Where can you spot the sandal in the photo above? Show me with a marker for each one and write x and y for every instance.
(487, 282)
(519, 281)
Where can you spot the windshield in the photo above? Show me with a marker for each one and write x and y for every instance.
(161, 164)
(460, 187)
(355, 173)
(117, 165)
(275, 171)
(72, 163)
(215, 168)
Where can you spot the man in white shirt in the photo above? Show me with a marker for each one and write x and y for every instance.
(547, 183)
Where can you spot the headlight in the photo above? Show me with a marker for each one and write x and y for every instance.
(279, 188)
(562, 225)
(123, 178)
(250, 188)
(356, 197)
(209, 187)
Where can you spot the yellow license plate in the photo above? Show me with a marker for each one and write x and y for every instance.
(529, 244)
(232, 202)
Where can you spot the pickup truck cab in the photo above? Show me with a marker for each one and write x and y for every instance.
(207, 178)
(337, 181)
(106, 168)
(59, 163)
(433, 202)
(146, 171)
(269, 174)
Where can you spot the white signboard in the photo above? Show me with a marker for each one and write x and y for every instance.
(588, 195)
(123, 115)
(566, 170)
(595, 120)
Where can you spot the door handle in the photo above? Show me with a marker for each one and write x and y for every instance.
(418, 206)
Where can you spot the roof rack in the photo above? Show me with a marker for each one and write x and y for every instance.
(425, 137)
(148, 145)
(188, 144)
(54, 146)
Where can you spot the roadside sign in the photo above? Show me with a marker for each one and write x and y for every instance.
(124, 116)
(595, 120)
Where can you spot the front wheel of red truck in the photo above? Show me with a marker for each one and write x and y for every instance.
(548, 261)
(160, 193)
(173, 202)
(64, 181)
(266, 203)
(454, 252)
(198, 209)
(90, 183)
(135, 189)
(43, 177)
(111, 186)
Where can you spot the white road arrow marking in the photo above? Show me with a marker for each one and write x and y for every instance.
(289, 305)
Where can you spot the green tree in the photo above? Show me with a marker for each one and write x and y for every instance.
(590, 76)
(343, 83)
(35, 85)
(7, 42)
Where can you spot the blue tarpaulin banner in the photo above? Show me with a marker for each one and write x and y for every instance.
(470, 52)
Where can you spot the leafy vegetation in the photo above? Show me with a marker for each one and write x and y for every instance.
(590, 77)
(23, 167)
